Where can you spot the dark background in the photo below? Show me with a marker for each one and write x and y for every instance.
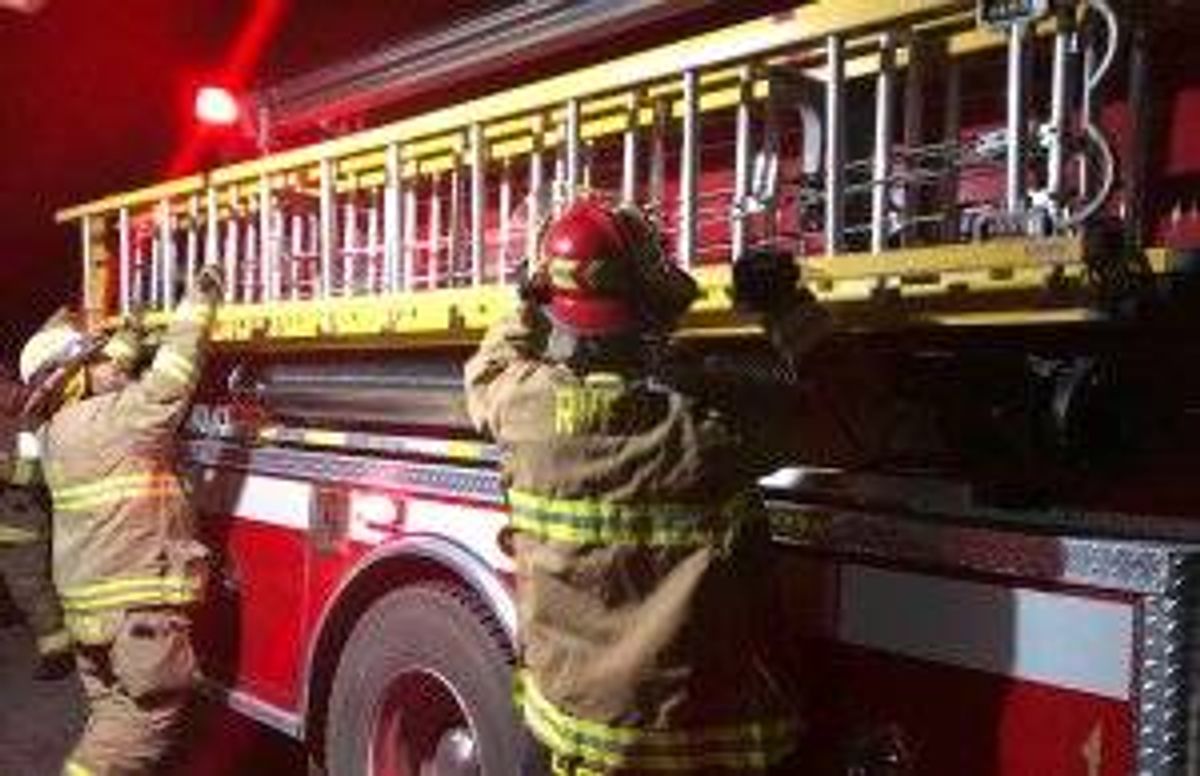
(97, 99)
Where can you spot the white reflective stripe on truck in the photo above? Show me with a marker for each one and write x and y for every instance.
(1058, 639)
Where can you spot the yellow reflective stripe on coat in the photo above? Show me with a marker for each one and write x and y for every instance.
(744, 747)
(130, 591)
(11, 534)
(24, 471)
(173, 365)
(124, 487)
(587, 521)
(72, 768)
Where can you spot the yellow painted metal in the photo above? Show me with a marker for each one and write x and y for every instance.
(806, 24)
(1018, 273)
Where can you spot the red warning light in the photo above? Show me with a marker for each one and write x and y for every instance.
(217, 106)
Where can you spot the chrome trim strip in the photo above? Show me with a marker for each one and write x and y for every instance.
(438, 480)
(284, 721)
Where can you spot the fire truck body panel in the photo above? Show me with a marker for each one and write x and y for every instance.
(301, 531)
(1011, 649)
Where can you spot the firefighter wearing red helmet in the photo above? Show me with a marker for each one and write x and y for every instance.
(638, 533)
(126, 562)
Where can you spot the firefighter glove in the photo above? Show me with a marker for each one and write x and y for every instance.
(533, 284)
(765, 281)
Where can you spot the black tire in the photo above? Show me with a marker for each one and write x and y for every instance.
(423, 668)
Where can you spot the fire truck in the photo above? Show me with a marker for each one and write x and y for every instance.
(996, 199)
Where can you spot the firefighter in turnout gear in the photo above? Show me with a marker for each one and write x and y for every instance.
(25, 533)
(639, 537)
(126, 562)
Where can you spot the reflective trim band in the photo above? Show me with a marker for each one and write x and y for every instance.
(171, 364)
(10, 534)
(744, 747)
(92, 628)
(72, 768)
(126, 487)
(584, 521)
(24, 471)
(58, 641)
(456, 449)
(119, 593)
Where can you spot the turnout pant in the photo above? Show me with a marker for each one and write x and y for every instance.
(137, 689)
(25, 567)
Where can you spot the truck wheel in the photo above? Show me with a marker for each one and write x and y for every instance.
(423, 688)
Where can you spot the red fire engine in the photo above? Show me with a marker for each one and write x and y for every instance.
(995, 198)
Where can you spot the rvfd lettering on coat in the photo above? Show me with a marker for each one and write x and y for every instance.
(588, 408)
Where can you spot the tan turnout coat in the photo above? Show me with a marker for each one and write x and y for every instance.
(639, 553)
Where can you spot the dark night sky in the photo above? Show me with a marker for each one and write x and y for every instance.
(96, 100)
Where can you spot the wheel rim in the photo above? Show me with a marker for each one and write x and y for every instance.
(423, 729)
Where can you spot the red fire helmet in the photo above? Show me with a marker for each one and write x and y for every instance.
(597, 259)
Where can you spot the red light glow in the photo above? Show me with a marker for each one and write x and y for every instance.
(217, 106)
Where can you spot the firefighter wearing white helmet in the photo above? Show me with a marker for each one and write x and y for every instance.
(25, 532)
(638, 532)
(126, 562)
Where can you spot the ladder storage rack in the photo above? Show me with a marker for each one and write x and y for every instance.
(916, 155)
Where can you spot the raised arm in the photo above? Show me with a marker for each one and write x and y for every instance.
(164, 391)
(507, 355)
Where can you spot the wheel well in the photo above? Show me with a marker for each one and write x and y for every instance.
(369, 585)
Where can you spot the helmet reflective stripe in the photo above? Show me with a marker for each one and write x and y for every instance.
(50, 344)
